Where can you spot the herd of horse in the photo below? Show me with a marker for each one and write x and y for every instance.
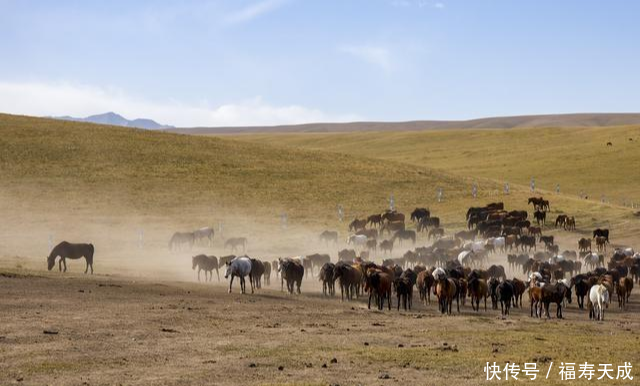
(452, 268)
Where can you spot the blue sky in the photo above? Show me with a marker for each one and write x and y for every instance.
(289, 61)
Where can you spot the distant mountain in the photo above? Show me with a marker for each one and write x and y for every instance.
(114, 119)
(552, 120)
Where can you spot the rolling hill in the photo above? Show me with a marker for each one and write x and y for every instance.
(97, 182)
(553, 120)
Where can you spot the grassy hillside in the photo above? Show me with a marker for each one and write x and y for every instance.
(576, 158)
(88, 182)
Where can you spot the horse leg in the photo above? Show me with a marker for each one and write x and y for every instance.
(217, 273)
(64, 262)
(86, 268)
(370, 295)
(231, 283)
(198, 274)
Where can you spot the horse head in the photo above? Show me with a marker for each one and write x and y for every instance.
(51, 261)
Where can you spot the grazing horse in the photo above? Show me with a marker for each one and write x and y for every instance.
(329, 236)
(291, 271)
(561, 220)
(327, 278)
(240, 267)
(207, 264)
(72, 251)
(570, 224)
(206, 234)
(181, 238)
(598, 298)
(404, 235)
(234, 242)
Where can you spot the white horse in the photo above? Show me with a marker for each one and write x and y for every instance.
(629, 252)
(439, 274)
(465, 258)
(497, 242)
(599, 297)
(592, 259)
(475, 246)
(359, 241)
(241, 267)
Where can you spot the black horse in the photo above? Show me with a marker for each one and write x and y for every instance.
(68, 250)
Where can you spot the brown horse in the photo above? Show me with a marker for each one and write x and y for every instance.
(446, 290)
(357, 225)
(349, 279)
(375, 220)
(67, 250)
(328, 280)
(291, 271)
(378, 284)
(518, 290)
(424, 283)
(257, 271)
(625, 285)
(478, 289)
(535, 299)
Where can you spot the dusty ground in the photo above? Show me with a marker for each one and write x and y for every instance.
(117, 330)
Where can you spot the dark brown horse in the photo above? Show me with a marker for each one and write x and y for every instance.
(327, 279)
(478, 289)
(66, 250)
(379, 285)
(291, 272)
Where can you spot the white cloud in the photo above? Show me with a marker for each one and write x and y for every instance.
(56, 99)
(253, 11)
(376, 55)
